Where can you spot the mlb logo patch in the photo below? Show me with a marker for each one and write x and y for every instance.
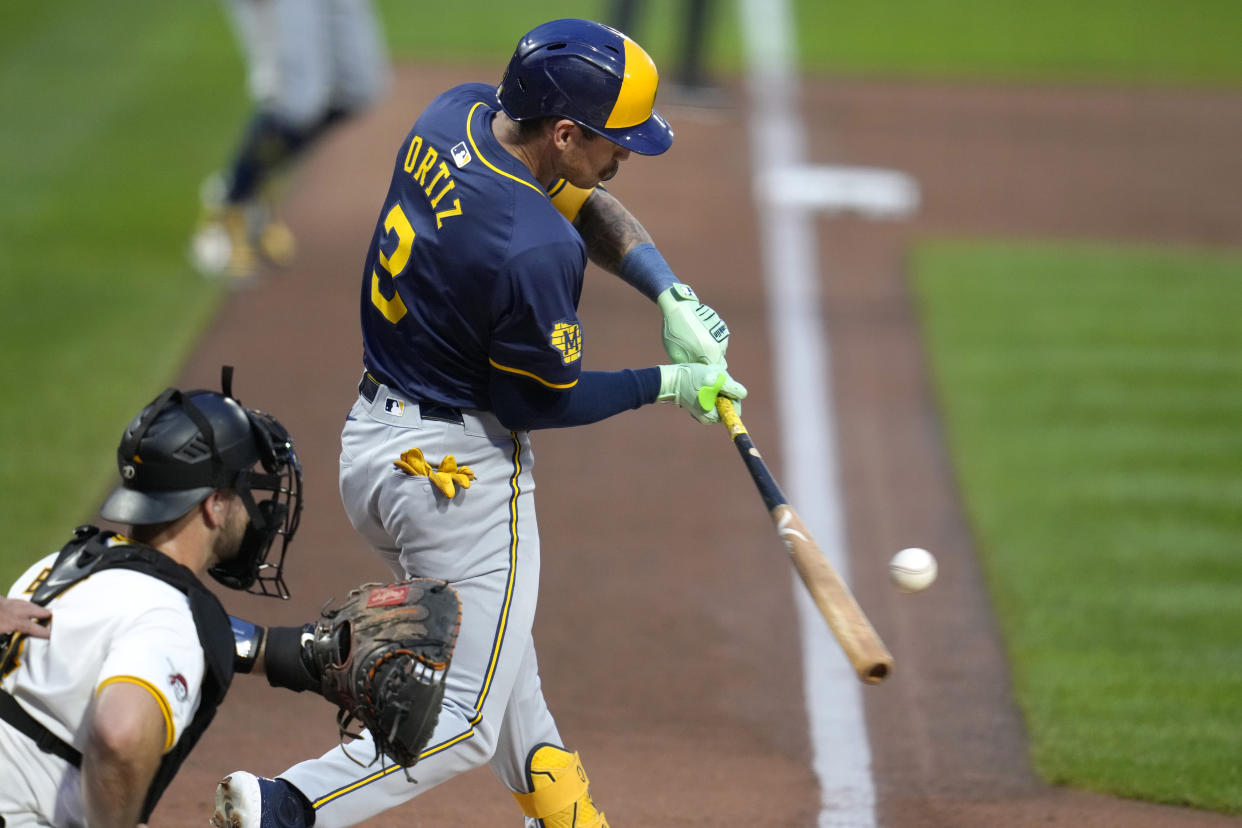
(461, 155)
(394, 406)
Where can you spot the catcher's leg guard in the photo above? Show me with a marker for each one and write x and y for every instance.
(561, 797)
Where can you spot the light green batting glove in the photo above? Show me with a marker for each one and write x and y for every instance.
(693, 332)
(695, 387)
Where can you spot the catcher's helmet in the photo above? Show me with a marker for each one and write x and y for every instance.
(591, 74)
(185, 445)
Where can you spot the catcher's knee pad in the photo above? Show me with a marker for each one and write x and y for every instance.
(560, 794)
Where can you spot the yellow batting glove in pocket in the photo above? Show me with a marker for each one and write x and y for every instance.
(447, 476)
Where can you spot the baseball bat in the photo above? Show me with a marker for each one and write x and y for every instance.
(861, 643)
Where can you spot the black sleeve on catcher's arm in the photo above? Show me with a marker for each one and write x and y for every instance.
(285, 659)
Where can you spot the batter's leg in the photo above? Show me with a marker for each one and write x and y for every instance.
(344, 792)
(527, 723)
(485, 542)
(548, 781)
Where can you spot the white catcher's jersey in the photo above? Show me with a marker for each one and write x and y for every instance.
(116, 625)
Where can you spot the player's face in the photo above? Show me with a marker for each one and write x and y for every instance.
(229, 540)
(591, 159)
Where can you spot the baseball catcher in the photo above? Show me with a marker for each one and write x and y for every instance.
(381, 658)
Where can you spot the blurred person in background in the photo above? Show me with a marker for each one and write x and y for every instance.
(689, 84)
(311, 64)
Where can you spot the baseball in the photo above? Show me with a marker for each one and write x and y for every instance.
(912, 569)
(211, 249)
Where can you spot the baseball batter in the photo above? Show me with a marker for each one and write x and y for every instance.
(311, 65)
(97, 716)
(471, 340)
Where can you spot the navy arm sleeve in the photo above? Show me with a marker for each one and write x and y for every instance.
(522, 405)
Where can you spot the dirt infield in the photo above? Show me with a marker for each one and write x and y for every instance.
(667, 638)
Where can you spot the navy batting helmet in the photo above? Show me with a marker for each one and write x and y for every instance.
(185, 445)
(591, 74)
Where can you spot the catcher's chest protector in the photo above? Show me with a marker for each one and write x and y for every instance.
(90, 552)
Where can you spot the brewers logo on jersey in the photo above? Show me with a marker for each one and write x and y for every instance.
(567, 338)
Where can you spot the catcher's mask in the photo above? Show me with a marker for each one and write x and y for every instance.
(186, 445)
(591, 74)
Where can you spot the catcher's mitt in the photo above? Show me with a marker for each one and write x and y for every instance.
(382, 657)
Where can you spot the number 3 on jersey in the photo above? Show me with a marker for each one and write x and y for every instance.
(395, 222)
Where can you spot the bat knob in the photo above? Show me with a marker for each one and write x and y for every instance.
(707, 394)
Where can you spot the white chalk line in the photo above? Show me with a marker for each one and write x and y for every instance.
(786, 192)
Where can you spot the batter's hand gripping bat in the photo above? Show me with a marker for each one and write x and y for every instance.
(836, 603)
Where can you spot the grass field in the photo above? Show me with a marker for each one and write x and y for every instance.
(100, 159)
(1092, 398)
(1128, 41)
(114, 115)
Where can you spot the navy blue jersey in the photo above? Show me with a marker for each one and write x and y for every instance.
(471, 268)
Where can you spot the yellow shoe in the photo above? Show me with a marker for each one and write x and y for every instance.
(561, 796)
(276, 243)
